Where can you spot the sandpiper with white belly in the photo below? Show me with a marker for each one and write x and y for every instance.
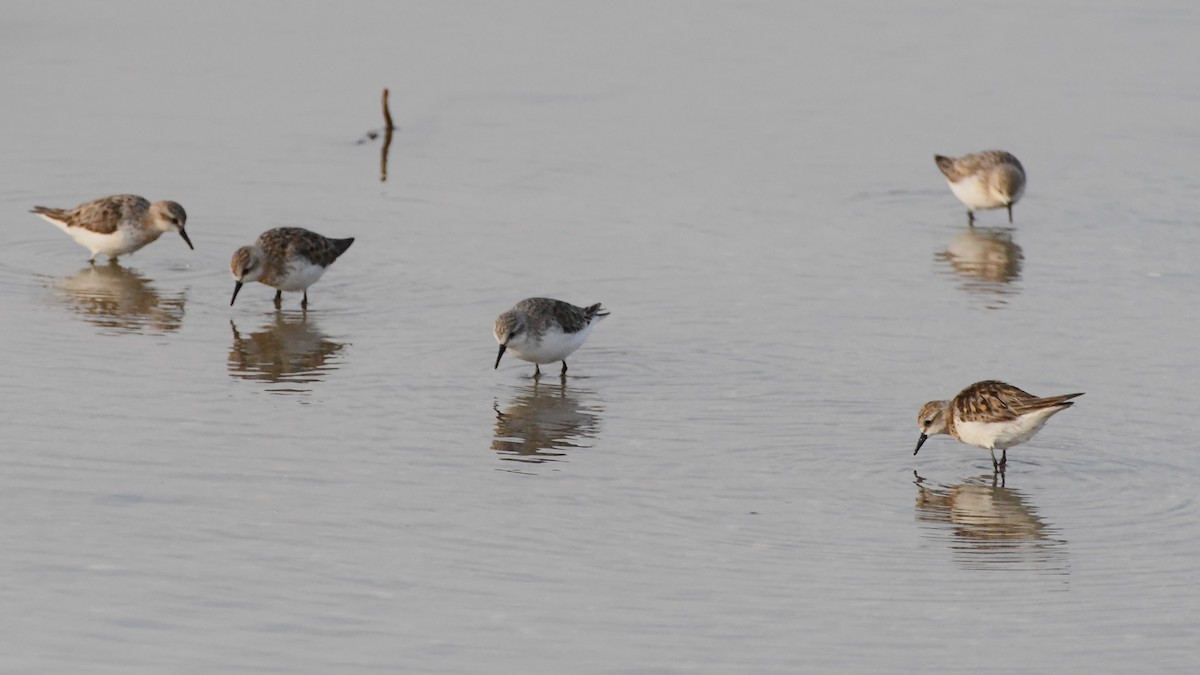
(544, 330)
(990, 415)
(287, 259)
(991, 179)
(118, 224)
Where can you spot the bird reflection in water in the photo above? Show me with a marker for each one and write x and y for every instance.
(990, 525)
(987, 260)
(290, 350)
(544, 421)
(119, 300)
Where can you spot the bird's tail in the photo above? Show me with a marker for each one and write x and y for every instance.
(1061, 402)
(945, 164)
(52, 214)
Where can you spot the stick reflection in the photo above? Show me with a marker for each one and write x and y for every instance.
(388, 129)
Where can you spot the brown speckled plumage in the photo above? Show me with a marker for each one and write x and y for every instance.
(286, 258)
(282, 245)
(995, 401)
(106, 214)
(956, 169)
(991, 179)
(990, 414)
(119, 224)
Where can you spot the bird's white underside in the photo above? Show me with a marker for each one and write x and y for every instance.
(1001, 435)
(301, 273)
(974, 193)
(127, 238)
(555, 344)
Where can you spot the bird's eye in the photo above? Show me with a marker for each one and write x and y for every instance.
(928, 422)
(515, 332)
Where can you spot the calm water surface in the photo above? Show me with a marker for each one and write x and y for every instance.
(725, 483)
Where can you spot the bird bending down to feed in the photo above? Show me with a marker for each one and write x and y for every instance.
(118, 224)
(991, 179)
(286, 259)
(990, 415)
(543, 330)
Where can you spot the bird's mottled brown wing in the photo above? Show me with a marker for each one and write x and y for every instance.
(293, 241)
(994, 401)
(969, 165)
(988, 401)
(572, 319)
(104, 215)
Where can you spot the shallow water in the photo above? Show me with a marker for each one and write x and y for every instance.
(725, 481)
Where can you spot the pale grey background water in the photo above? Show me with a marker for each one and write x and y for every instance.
(725, 483)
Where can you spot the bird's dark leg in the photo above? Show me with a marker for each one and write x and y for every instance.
(564, 370)
(995, 464)
(1003, 457)
(278, 299)
(537, 371)
(304, 302)
(1010, 213)
(970, 218)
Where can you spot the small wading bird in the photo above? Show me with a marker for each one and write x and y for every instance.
(286, 259)
(543, 330)
(117, 225)
(990, 415)
(991, 179)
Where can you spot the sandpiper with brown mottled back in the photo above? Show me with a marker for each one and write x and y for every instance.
(118, 224)
(990, 415)
(992, 179)
(544, 330)
(287, 259)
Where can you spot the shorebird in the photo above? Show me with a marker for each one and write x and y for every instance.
(287, 259)
(543, 330)
(118, 224)
(991, 179)
(990, 415)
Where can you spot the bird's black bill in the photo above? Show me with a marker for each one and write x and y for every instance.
(1010, 214)
(183, 233)
(502, 348)
(236, 287)
(920, 442)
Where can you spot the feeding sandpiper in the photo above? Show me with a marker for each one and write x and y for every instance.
(543, 330)
(991, 179)
(287, 259)
(118, 224)
(990, 415)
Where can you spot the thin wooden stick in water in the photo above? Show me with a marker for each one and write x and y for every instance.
(387, 138)
(387, 114)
